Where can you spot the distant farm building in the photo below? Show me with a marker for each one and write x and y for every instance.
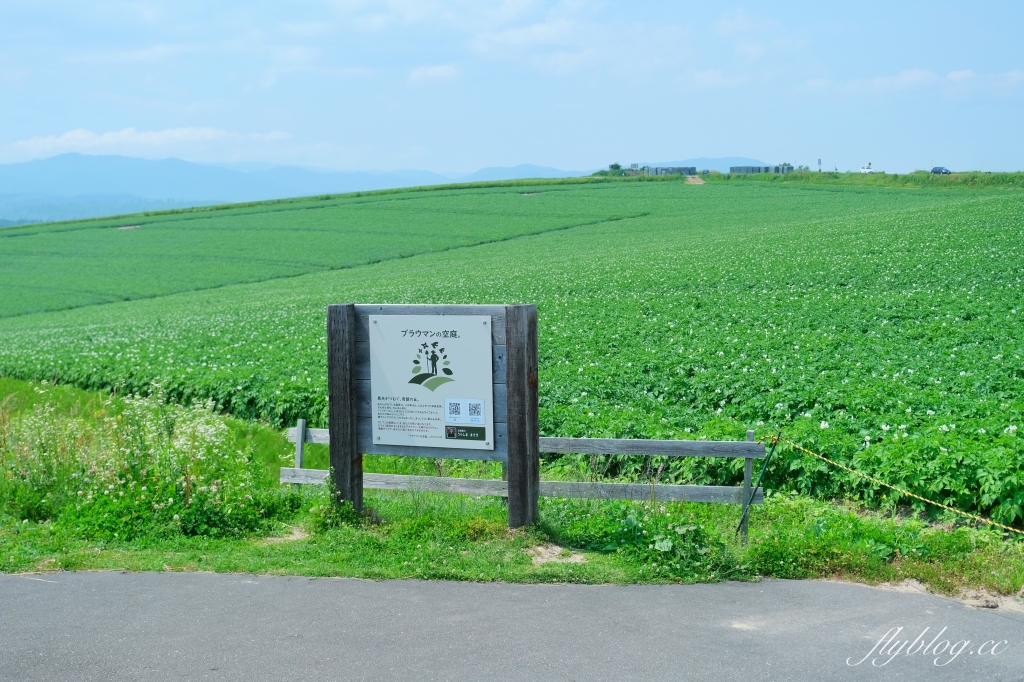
(746, 170)
(671, 170)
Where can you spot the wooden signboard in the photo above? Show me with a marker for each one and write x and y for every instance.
(390, 394)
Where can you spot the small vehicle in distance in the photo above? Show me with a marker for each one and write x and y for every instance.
(940, 170)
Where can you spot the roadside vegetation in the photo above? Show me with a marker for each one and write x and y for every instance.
(89, 481)
(877, 325)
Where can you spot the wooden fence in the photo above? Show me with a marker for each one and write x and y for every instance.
(749, 450)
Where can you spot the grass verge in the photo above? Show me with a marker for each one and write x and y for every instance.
(452, 537)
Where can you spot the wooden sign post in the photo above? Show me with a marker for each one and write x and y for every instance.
(428, 418)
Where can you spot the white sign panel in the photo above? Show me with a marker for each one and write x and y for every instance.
(430, 381)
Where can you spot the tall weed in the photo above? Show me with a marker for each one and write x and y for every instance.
(153, 469)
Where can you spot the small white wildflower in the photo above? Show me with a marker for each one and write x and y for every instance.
(824, 425)
(1009, 429)
(981, 430)
(930, 412)
(943, 428)
(909, 410)
(885, 427)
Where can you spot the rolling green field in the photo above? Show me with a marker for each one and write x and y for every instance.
(880, 325)
(68, 265)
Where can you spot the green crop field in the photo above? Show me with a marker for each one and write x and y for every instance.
(879, 325)
(68, 265)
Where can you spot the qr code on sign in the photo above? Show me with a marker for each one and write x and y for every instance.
(476, 409)
(455, 409)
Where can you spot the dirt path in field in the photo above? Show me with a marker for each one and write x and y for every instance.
(693, 180)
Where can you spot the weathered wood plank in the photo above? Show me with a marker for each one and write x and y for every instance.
(640, 446)
(497, 313)
(468, 486)
(346, 459)
(362, 366)
(300, 443)
(499, 400)
(523, 423)
(318, 436)
(689, 448)
(303, 475)
(433, 484)
(367, 446)
(643, 491)
(748, 472)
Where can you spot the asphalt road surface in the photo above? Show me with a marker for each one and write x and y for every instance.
(197, 626)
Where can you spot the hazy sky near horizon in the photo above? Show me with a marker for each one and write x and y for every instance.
(455, 86)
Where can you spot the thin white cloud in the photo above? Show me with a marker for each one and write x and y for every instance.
(736, 21)
(958, 83)
(909, 79)
(1011, 78)
(427, 74)
(712, 79)
(147, 55)
(131, 141)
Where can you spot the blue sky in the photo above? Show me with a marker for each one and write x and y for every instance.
(455, 86)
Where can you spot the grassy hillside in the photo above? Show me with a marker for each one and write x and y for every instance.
(880, 325)
(68, 265)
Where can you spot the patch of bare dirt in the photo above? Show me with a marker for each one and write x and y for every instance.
(129, 227)
(529, 194)
(295, 534)
(544, 554)
(693, 180)
(978, 599)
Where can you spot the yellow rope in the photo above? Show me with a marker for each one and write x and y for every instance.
(899, 490)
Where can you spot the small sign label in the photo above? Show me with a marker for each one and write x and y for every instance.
(421, 369)
(477, 433)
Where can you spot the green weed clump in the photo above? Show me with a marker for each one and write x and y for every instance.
(664, 541)
(147, 469)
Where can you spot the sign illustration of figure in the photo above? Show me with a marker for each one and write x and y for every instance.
(424, 367)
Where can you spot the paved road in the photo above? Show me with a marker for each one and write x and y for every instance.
(180, 626)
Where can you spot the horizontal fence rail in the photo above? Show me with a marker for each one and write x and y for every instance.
(612, 446)
(483, 487)
(641, 446)
(748, 449)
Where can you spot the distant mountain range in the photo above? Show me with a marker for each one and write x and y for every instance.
(73, 186)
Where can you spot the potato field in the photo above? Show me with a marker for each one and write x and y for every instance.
(881, 326)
